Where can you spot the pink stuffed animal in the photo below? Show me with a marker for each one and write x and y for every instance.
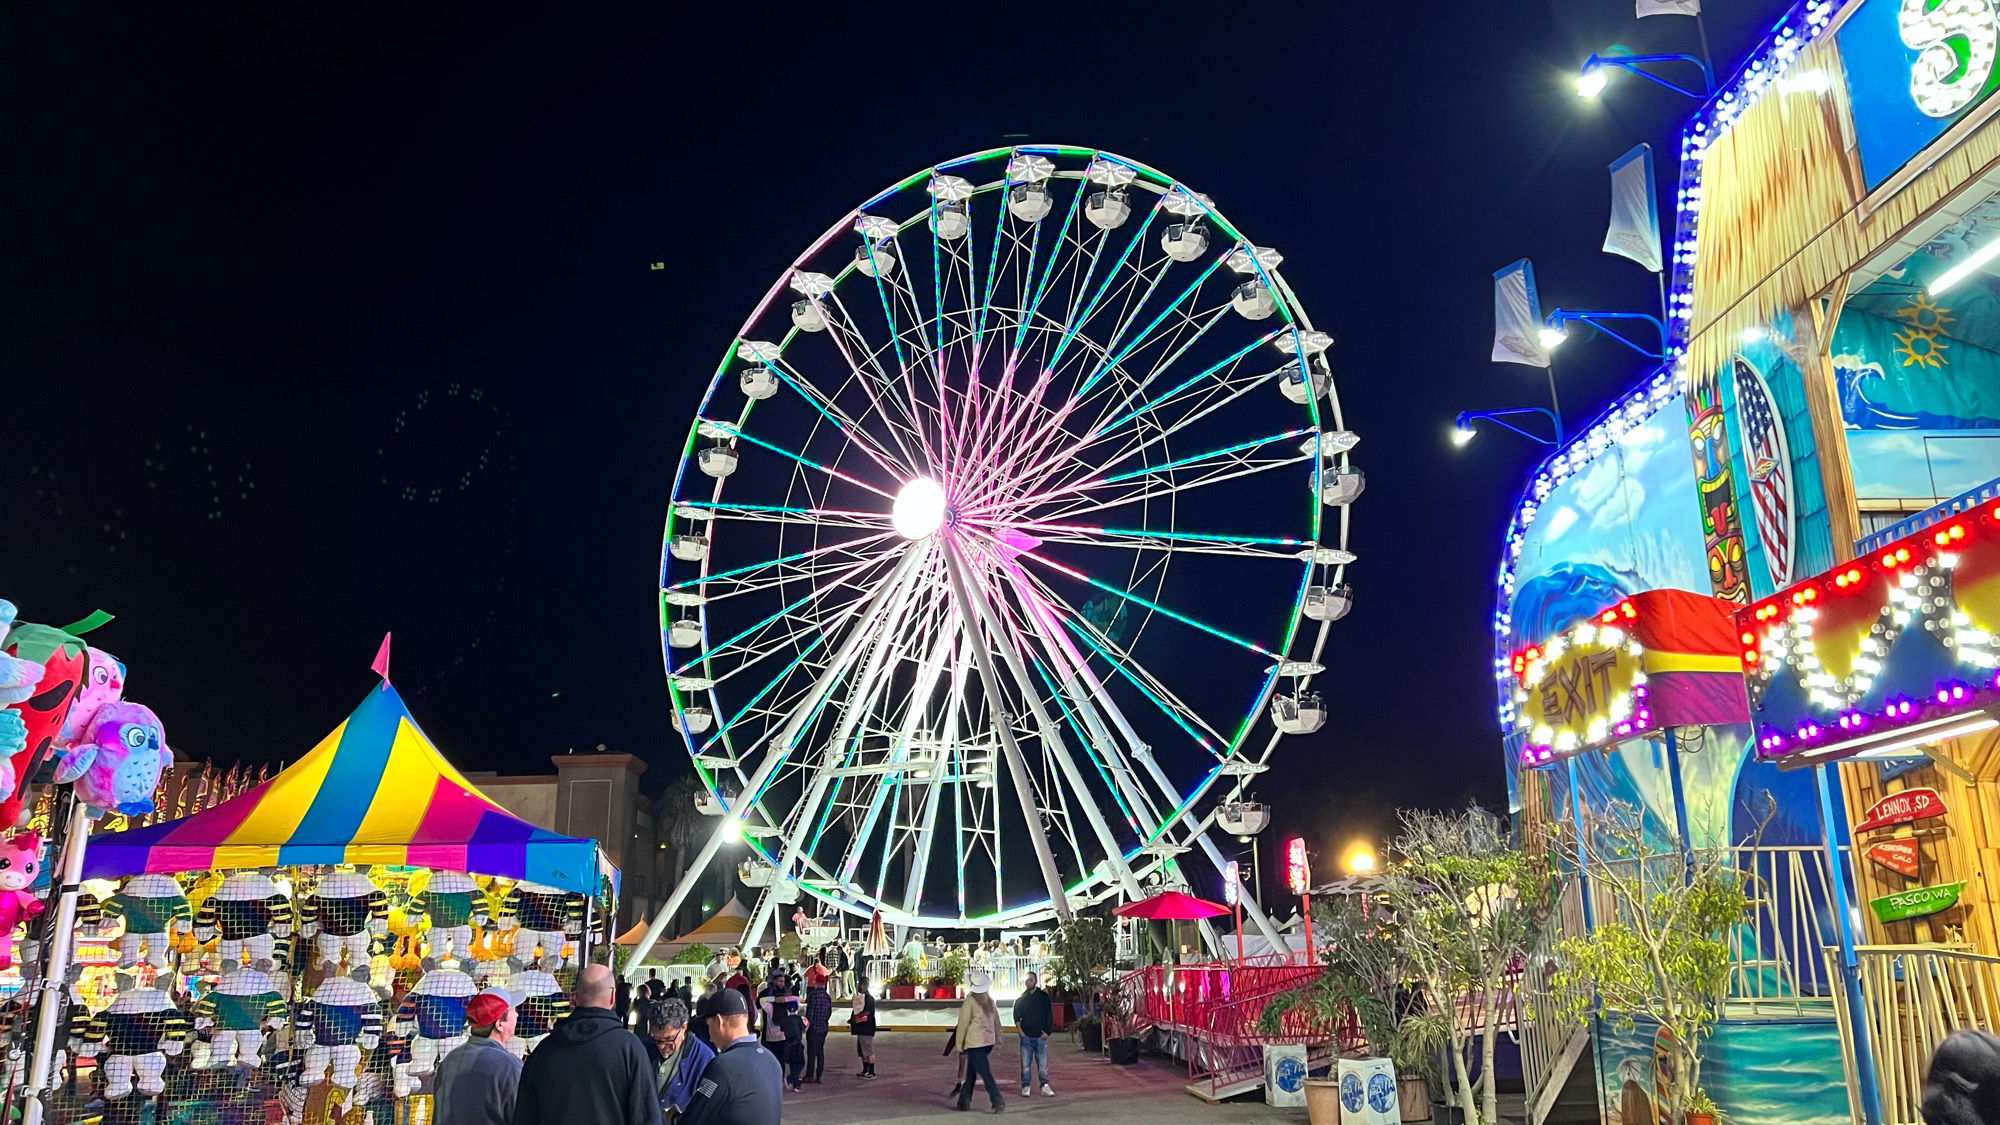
(103, 683)
(120, 766)
(20, 861)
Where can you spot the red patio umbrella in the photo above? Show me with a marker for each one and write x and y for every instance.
(1171, 906)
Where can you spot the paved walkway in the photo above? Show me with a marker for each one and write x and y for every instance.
(915, 1077)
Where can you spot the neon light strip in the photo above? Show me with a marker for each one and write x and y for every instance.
(1140, 533)
(845, 544)
(1237, 448)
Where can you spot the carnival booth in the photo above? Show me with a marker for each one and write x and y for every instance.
(309, 946)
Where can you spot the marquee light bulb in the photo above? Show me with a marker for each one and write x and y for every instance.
(919, 509)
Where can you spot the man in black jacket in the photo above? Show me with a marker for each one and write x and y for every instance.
(590, 1068)
(743, 1082)
(1032, 1017)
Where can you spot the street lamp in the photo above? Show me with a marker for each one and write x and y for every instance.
(1463, 432)
(1596, 74)
(1553, 334)
(1361, 860)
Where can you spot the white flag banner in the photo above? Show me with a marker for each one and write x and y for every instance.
(1669, 8)
(1517, 317)
(1635, 210)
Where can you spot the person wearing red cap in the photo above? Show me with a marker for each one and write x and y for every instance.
(477, 1081)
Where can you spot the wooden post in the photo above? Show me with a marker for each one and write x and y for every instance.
(1822, 390)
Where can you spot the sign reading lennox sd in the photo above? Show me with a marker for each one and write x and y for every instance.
(1905, 905)
(1915, 69)
(1899, 856)
(1902, 808)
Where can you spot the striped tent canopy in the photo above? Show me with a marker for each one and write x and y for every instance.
(374, 791)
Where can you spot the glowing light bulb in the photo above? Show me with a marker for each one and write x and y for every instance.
(1462, 434)
(919, 509)
(1591, 82)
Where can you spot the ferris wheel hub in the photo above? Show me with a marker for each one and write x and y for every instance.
(920, 509)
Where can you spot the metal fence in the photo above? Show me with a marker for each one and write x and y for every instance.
(1912, 997)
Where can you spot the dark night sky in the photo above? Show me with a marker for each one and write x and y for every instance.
(240, 245)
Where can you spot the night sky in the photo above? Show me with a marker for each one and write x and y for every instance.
(320, 328)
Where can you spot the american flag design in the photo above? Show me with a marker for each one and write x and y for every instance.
(1770, 461)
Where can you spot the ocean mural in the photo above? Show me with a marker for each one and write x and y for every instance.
(1631, 520)
(1919, 373)
(1756, 1070)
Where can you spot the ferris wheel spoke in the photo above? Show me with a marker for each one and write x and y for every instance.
(910, 401)
(866, 374)
(737, 432)
(1085, 503)
(1120, 658)
(1076, 319)
(739, 579)
(1227, 452)
(1129, 539)
(779, 513)
(869, 445)
(1137, 599)
(1053, 744)
(1145, 334)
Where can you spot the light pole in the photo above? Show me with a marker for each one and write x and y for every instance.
(1596, 74)
(1553, 333)
(1463, 432)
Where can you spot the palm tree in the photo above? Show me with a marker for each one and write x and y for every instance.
(683, 830)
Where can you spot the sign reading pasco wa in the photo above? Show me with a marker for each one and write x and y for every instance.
(1902, 808)
(1905, 905)
(1899, 856)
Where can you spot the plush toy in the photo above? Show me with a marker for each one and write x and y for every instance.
(20, 862)
(20, 865)
(543, 1005)
(343, 1019)
(238, 1011)
(432, 1020)
(119, 768)
(344, 915)
(18, 678)
(64, 660)
(134, 1035)
(452, 904)
(103, 683)
(154, 911)
(541, 916)
(246, 917)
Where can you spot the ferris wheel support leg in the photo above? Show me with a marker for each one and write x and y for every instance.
(804, 817)
(1251, 907)
(780, 750)
(696, 870)
(1058, 749)
(1016, 768)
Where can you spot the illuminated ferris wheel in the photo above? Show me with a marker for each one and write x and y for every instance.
(1004, 546)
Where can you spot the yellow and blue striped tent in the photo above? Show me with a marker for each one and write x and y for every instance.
(374, 791)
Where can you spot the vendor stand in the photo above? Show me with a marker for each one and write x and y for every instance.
(375, 817)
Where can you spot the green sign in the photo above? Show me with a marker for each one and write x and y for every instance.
(1905, 905)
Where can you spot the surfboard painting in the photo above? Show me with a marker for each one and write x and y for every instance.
(1761, 429)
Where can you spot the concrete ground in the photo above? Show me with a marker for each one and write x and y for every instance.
(915, 1077)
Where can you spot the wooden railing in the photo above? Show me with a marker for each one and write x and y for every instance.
(1912, 997)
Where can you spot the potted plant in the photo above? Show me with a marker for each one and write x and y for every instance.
(951, 974)
(1701, 1110)
(1420, 1041)
(1660, 949)
(1323, 1099)
(1468, 902)
(909, 977)
(1089, 1031)
(790, 950)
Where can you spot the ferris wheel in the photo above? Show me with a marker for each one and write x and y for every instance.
(1004, 547)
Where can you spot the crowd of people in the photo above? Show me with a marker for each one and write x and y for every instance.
(659, 1055)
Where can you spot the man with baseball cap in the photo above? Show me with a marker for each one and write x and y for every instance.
(743, 1083)
(477, 1081)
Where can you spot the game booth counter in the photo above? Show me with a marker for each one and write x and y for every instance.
(309, 946)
